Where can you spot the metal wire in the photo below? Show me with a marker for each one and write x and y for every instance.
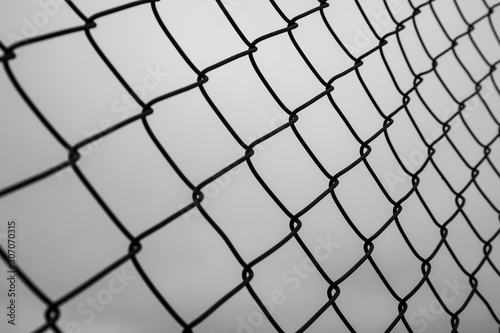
(332, 181)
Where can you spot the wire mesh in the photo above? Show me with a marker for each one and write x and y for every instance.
(408, 91)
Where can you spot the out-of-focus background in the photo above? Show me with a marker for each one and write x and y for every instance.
(64, 237)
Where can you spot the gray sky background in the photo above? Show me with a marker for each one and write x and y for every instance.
(64, 237)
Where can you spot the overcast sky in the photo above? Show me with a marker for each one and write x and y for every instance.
(64, 237)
